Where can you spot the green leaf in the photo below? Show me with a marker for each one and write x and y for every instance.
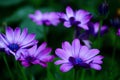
(33, 28)
(9, 2)
(20, 14)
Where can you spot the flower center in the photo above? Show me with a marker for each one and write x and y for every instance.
(14, 47)
(73, 21)
(30, 59)
(78, 62)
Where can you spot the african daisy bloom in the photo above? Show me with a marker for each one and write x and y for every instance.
(36, 55)
(13, 41)
(48, 18)
(78, 55)
(118, 32)
(80, 18)
(94, 28)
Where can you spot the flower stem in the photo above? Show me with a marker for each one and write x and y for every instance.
(114, 49)
(22, 71)
(6, 63)
(45, 33)
(83, 75)
(75, 74)
(99, 31)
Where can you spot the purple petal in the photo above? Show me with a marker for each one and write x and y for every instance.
(10, 34)
(44, 52)
(92, 53)
(66, 67)
(62, 54)
(3, 39)
(67, 24)
(48, 58)
(32, 50)
(43, 64)
(30, 44)
(69, 12)
(67, 47)
(83, 51)
(23, 35)
(60, 62)
(95, 66)
(25, 64)
(85, 27)
(28, 39)
(17, 34)
(76, 47)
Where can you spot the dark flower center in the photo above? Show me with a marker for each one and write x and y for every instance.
(78, 62)
(73, 21)
(30, 59)
(14, 47)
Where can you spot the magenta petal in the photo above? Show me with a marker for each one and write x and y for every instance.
(85, 27)
(25, 64)
(69, 12)
(43, 64)
(47, 58)
(32, 50)
(66, 67)
(41, 47)
(67, 24)
(95, 66)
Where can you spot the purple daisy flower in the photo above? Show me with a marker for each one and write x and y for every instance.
(48, 18)
(78, 55)
(94, 28)
(13, 42)
(79, 18)
(36, 56)
(118, 32)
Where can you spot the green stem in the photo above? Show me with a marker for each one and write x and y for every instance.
(22, 71)
(114, 49)
(99, 31)
(83, 75)
(75, 74)
(45, 33)
(6, 63)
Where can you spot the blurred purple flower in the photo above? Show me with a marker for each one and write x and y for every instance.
(14, 41)
(36, 56)
(94, 28)
(78, 55)
(48, 18)
(79, 18)
(118, 32)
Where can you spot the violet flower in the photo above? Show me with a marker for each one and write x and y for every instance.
(36, 55)
(118, 32)
(94, 29)
(78, 55)
(14, 41)
(80, 18)
(48, 18)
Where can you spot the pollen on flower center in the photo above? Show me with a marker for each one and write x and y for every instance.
(14, 47)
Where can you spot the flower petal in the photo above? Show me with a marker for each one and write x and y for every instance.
(10, 34)
(76, 47)
(95, 66)
(69, 12)
(83, 51)
(60, 62)
(17, 34)
(67, 24)
(26, 64)
(66, 67)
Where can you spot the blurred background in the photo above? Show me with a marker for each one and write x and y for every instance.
(15, 13)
